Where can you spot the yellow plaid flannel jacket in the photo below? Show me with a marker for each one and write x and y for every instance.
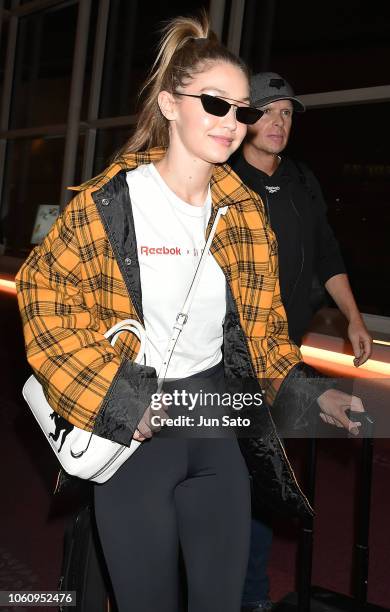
(71, 291)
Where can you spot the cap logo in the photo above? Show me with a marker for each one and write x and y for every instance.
(278, 83)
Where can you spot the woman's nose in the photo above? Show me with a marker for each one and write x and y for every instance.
(229, 120)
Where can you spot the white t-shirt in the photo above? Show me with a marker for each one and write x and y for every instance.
(170, 236)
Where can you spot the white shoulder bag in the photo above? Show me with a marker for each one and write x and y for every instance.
(82, 453)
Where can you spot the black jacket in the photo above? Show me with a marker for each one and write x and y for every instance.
(274, 483)
(306, 244)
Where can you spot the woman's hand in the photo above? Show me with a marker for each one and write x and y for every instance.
(147, 427)
(334, 403)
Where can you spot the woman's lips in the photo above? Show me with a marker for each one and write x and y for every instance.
(226, 142)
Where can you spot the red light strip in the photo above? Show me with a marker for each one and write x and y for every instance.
(344, 363)
(310, 353)
(7, 286)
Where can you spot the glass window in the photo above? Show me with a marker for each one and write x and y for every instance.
(347, 148)
(33, 177)
(89, 60)
(324, 46)
(3, 51)
(43, 67)
(32, 180)
(108, 142)
(131, 48)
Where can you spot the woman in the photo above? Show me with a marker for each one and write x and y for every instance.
(127, 246)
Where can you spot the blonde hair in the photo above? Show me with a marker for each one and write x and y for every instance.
(186, 46)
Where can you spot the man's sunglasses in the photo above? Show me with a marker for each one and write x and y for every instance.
(220, 107)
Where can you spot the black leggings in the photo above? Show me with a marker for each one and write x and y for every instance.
(177, 493)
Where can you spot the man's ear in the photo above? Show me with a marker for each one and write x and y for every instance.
(167, 104)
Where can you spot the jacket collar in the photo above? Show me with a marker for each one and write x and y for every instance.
(227, 188)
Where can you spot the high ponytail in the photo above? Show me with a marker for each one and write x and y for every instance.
(187, 44)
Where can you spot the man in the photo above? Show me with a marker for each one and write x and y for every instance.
(307, 249)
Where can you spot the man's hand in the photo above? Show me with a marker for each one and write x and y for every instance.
(361, 341)
(146, 428)
(339, 288)
(334, 403)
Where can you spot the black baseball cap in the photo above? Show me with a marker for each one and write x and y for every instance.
(269, 87)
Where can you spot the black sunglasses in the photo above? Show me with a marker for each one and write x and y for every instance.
(220, 107)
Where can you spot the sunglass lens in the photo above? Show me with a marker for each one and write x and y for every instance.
(248, 115)
(219, 108)
(215, 106)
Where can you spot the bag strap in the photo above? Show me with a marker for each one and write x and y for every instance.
(182, 316)
(136, 328)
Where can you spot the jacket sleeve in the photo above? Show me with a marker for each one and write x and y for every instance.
(282, 353)
(292, 386)
(329, 261)
(83, 377)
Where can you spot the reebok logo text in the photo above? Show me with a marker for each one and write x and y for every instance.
(145, 250)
